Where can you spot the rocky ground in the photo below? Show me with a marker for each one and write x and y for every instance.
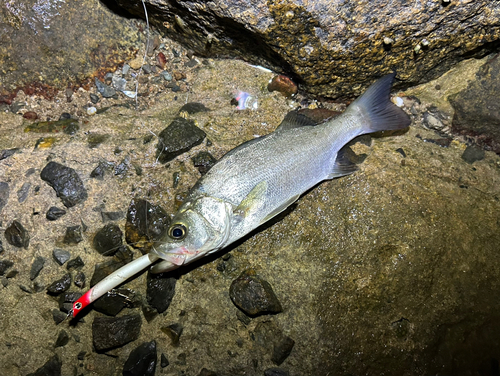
(392, 270)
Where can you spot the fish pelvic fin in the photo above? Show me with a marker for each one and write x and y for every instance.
(378, 110)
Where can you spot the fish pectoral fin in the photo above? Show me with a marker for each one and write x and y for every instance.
(343, 164)
(253, 201)
(280, 208)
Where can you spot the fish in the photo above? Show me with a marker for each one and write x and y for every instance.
(258, 180)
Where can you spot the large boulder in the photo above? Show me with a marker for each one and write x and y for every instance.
(333, 47)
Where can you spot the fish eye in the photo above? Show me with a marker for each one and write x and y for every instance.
(177, 231)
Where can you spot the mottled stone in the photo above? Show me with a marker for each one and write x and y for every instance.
(179, 137)
(203, 161)
(142, 360)
(111, 332)
(17, 235)
(66, 182)
(284, 85)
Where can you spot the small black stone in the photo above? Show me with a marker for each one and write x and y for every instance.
(160, 291)
(52, 368)
(76, 263)
(62, 339)
(141, 361)
(114, 301)
(13, 273)
(401, 151)
(164, 361)
(67, 299)
(4, 194)
(66, 182)
(108, 239)
(193, 108)
(121, 168)
(94, 98)
(6, 153)
(112, 332)
(253, 295)
(207, 372)
(17, 235)
(64, 116)
(80, 280)
(60, 286)
(36, 267)
(276, 372)
(73, 235)
(203, 161)
(180, 136)
(58, 316)
(105, 90)
(22, 193)
(282, 347)
(99, 171)
(176, 177)
(174, 331)
(149, 312)
(61, 256)
(54, 213)
(4, 266)
(472, 154)
(81, 355)
(1, 247)
(112, 216)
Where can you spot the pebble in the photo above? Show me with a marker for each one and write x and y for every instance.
(36, 267)
(432, 122)
(193, 108)
(191, 63)
(30, 115)
(108, 239)
(17, 235)
(282, 84)
(179, 137)
(61, 256)
(66, 300)
(276, 372)
(4, 194)
(149, 312)
(161, 60)
(58, 316)
(64, 116)
(4, 266)
(166, 76)
(145, 224)
(91, 110)
(207, 372)
(160, 291)
(76, 263)
(164, 361)
(73, 235)
(22, 193)
(62, 338)
(105, 90)
(136, 63)
(66, 182)
(119, 83)
(52, 368)
(113, 302)
(203, 161)
(54, 213)
(112, 216)
(146, 68)
(1, 246)
(253, 295)
(94, 98)
(112, 332)
(472, 154)
(125, 69)
(141, 361)
(6, 153)
(60, 286)
(80, 280)
(174, 331)
(270, 337)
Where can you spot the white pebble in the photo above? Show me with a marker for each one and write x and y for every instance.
(91, 111)
(398, 101)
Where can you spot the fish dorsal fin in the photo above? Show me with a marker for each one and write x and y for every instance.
(343, 164)
(280, 208)
(253, 200)
(295, 120)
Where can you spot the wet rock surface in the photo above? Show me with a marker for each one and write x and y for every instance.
(160, 291)
(66, 182)
(253, 295)
(142, 360)
(111, 332)
(54, 213)
(108, 240)
(61, 285)
(52, 367)
(203, 161)
(17, 235)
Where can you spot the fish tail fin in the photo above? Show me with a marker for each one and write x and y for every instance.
(376, 106)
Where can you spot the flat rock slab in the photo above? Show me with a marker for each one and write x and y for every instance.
(112, 332)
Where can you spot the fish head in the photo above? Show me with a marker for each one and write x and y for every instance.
(200, 227)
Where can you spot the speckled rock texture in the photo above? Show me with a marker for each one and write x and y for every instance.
(333, 47)
(50, 45)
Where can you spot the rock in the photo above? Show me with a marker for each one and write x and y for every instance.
(103, 269)
(4, 190)
(80, 280)
(330, 47)
(22, 193)
(76, 263)
(58, 316)
(472, 154)
(174, 331)
(207, 372)
(62, 339)
(73, 235)
(6, 153)
(112, 332)
(52, 368)
(36, 267)
(160, 291)
(284, 85)
(276, 372)
(145, 224)
(272, 340)
(4, 266)
(164, 361)
(108, 239)
(253, 295)
(54, 213)
(112, 216)
(193, 108)
(60, 286)
(114, 301)
(105, 90)
(477, 110)
(141, 361)
(66, 182)
(283, 346)
(61, 256)
(66, 300)
(16, 235)
(179, 137)
(203, 161)
(1, 247)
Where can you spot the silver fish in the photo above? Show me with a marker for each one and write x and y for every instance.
(259, 179)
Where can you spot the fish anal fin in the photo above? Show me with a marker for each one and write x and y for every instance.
(280, 208)
(253, 201)
(343, 163)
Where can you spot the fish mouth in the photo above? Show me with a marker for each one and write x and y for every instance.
(177, 256)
